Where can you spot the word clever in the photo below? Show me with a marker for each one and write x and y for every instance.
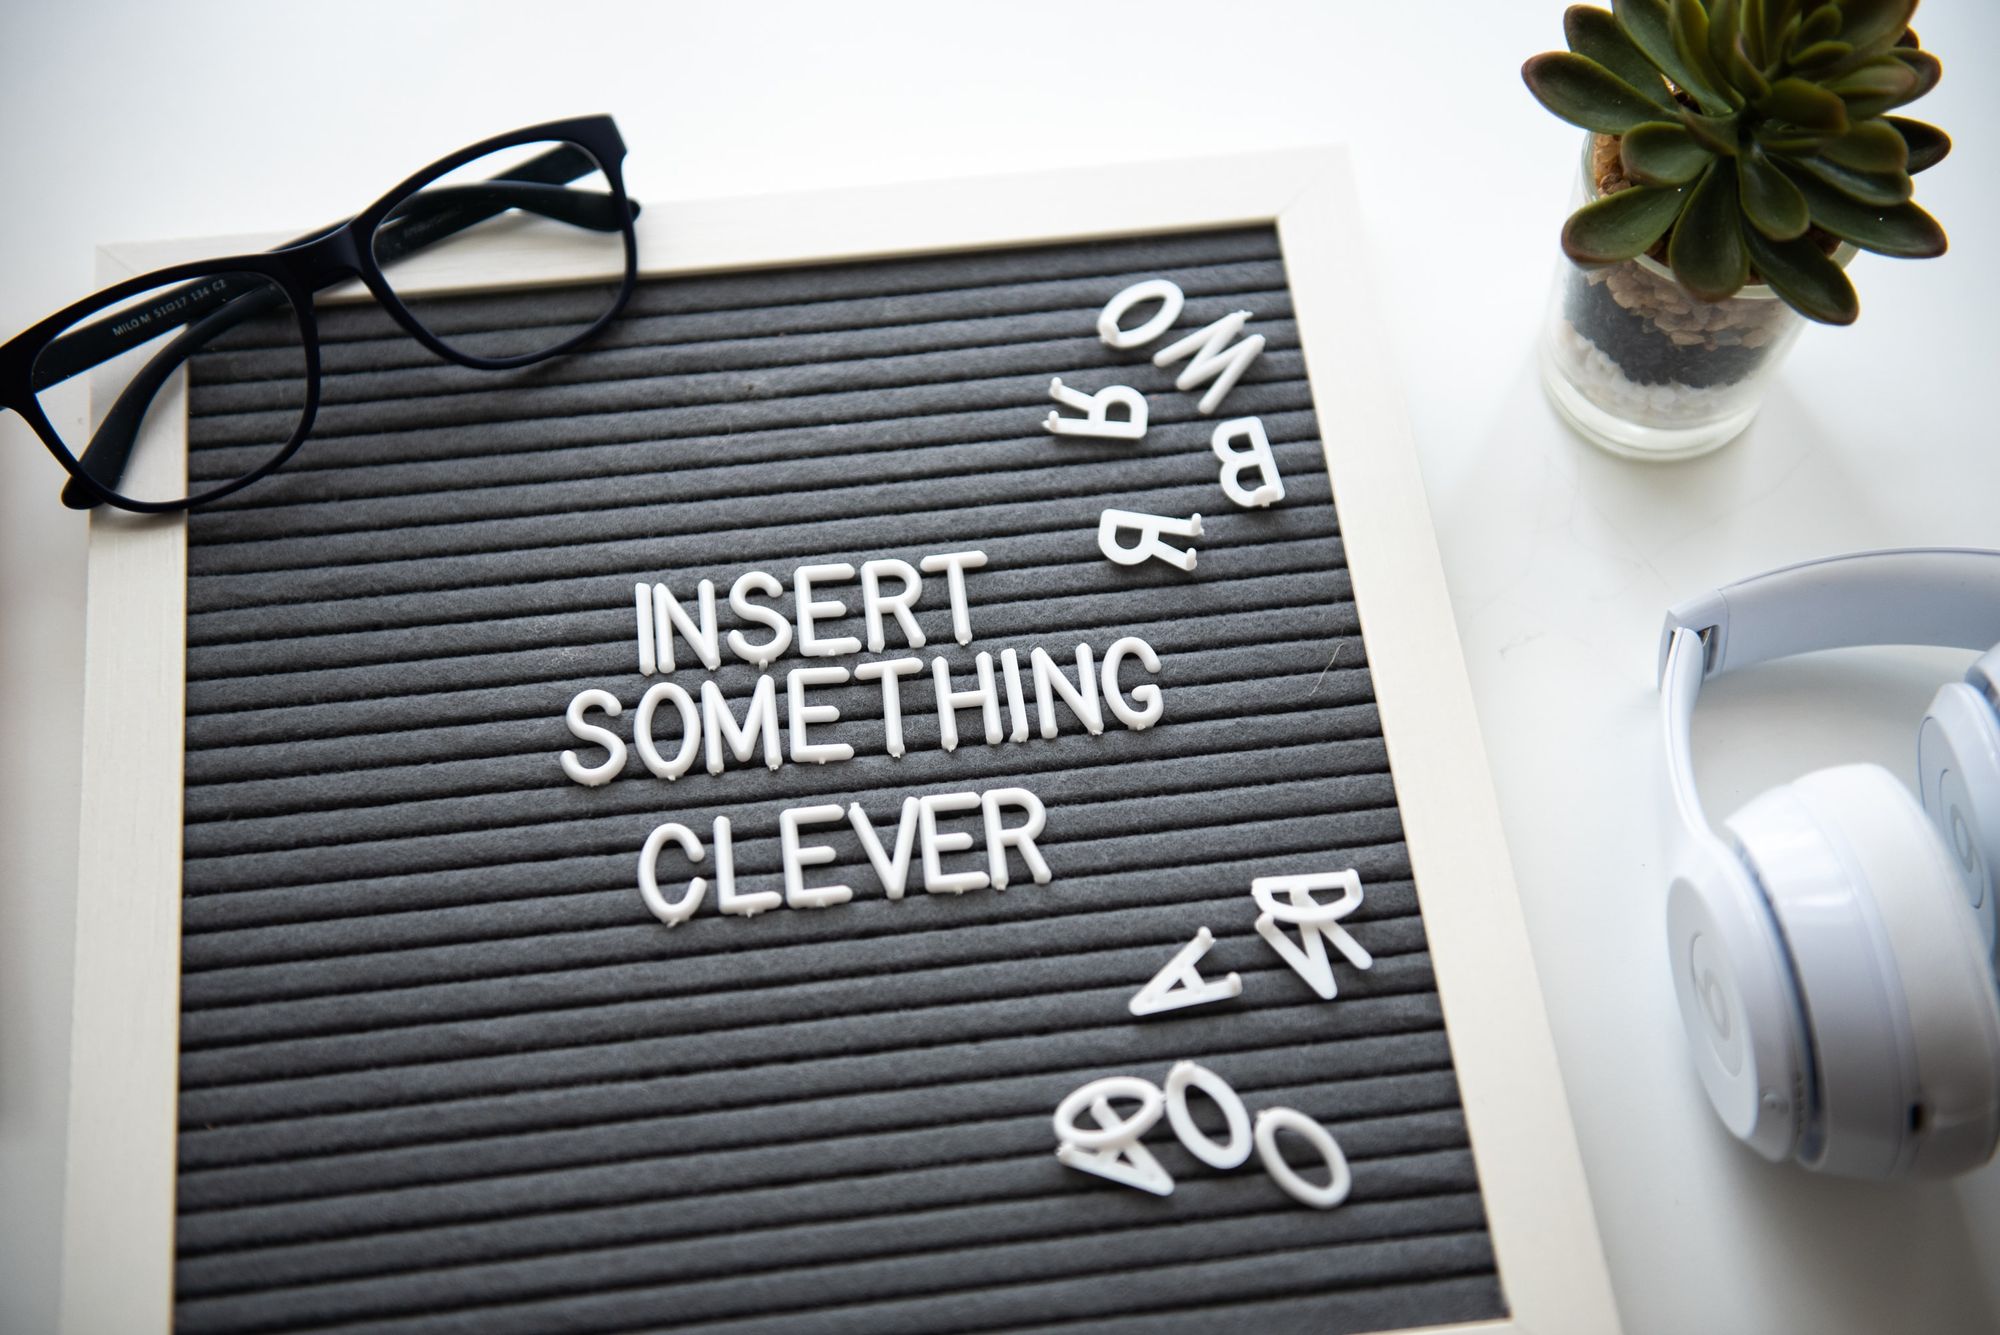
(1111, 1148)
(1217, 357)
(917, 832)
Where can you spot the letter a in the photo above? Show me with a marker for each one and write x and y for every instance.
(1180, 983)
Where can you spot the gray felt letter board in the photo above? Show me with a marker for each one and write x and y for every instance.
(441, 1071)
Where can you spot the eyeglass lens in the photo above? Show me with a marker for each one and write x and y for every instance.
(540, 212)
(240, 329)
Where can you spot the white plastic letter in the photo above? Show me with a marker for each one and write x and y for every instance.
(797, 858)
(1316, 923)
(999, 837)
(1149, 528)
(1109, 1131)
(1081, 698)
(1129, 1165)
(1148, 695)
(759, 720)
(1111, 1149)
(874, 601)
(1179, 982)
(642, 599)
(1273, 1120)
(810, 644)
(936, 880)
(954, 565)
(1171, 300)
(1214, 358)
(642, 730)
(801, 713)
(680, 910)
(758, 655)
(893, 872)
(590, 776)
(986, 699)
(669, 616)
(1235, 462)
(891, 671)
(1096, 409)
(1017, 707)
(1231, 1155)
(726, 898)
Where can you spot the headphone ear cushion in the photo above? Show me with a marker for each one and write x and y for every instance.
(1903, 1017)
(1958, 776)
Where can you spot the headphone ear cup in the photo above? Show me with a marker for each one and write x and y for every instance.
(1958, 776)
(1738, 1001)
(1901, 1011)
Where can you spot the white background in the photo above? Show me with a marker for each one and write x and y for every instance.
(144, 121)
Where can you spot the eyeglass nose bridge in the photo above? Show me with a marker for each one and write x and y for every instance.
(329, 260)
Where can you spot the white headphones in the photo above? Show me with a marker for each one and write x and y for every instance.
(1833, 942)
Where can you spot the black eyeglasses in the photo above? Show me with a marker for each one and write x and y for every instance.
(546, 197)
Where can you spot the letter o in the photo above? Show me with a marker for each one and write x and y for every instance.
(1135, 1125)
(1273, 1120)
(1171, 300)
(1237, 1150)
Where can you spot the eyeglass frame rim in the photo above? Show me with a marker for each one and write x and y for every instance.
(302, 269)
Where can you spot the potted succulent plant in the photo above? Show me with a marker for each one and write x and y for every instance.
(1739, 151)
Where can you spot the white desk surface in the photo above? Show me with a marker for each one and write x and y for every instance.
(133, 121)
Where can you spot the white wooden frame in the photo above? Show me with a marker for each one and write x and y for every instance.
(119, 1209)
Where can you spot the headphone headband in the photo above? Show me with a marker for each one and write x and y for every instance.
(1947, 596)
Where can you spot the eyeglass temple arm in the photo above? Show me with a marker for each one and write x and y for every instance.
(535, 186)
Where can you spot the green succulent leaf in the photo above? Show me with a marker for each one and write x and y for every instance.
(1723, 16)
(1706, 250)
(1720, 135)
(1584, 93)
(1687, 23)
(1595, 34)
(1928, 67)
(1804, 104)
(1903, 230)
(1928, 144)
(1819, 57)
(1803, 277)
(1773, 205)
(1649, 24)
(1864, 106)
(1887, 77)
(1618, 227)
(1743, 71)
(1658, 153)
(1821, 24)
(1790, 140)
(1874, 25)
(1879, 188)
(1872, 146)
(1781, 20)
(1753, 25)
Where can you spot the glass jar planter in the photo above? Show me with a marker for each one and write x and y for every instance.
(1645, 369)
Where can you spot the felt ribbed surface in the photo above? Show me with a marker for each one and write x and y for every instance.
(441, 1070)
